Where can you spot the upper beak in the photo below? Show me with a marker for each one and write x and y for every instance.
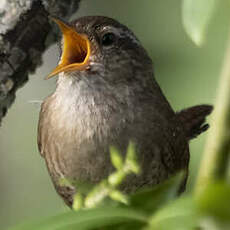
(75, 50)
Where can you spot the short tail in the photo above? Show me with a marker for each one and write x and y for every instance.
(194, 118)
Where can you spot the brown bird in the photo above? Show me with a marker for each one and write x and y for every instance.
(107, 95)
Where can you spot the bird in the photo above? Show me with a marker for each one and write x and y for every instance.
(106, 95)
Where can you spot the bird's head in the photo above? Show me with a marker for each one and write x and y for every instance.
(100, 45)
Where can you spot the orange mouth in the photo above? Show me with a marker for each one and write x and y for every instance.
(75, 51)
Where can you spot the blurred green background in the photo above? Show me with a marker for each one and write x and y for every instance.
(187, 74)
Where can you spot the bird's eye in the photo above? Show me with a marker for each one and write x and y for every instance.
(108, 39)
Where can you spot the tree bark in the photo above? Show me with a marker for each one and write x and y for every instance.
(25, 33)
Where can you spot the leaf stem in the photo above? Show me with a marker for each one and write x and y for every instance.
(214, 164)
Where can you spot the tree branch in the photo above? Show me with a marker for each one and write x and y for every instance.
(25, 33)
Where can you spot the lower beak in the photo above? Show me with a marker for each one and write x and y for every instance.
(75, 50)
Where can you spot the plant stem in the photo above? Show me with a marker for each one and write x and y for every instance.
(214, 164)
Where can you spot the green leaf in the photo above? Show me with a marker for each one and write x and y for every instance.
(81, 187)
(119, 196)
(116, 158)
(77, 202)
(131, 152)
(196, 15)
(116, 178)
(125, 225)
(150, 200)
(214, 201)
(177, 215)
(131, 158)
(88, 219)
(97, 195)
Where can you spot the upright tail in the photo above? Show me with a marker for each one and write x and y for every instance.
(194, 118)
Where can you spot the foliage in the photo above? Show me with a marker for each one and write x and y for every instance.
(196, 15)
(157, 208)
(108, 187)
(163, 211)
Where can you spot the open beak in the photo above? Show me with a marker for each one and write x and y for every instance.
(75, 50)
